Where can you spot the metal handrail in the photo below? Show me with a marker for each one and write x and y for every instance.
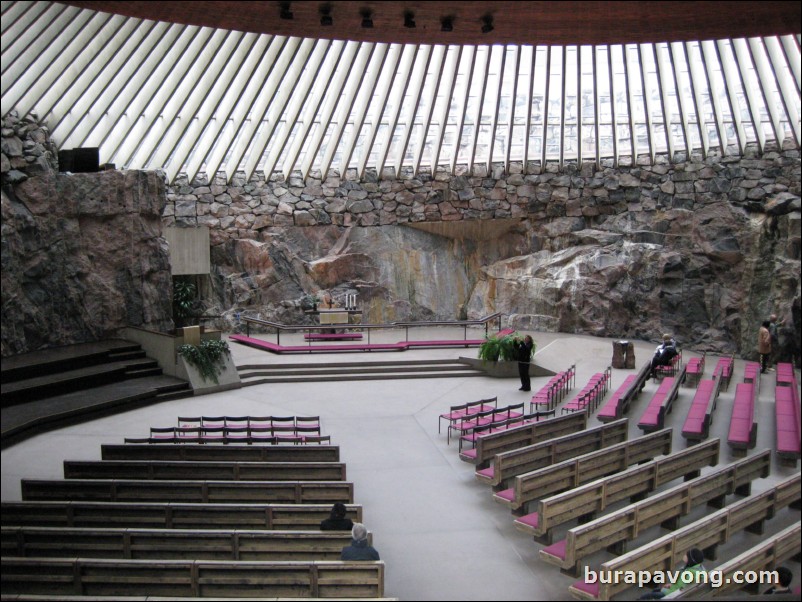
(368, 327)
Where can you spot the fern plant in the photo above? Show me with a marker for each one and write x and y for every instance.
(208, 358)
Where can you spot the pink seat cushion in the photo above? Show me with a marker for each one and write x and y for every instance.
(739, 430)
(506, 494)
(530, 520)
(487, 472)
(556, 549)
(589, 588)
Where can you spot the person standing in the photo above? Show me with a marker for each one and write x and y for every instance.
(523, 353)
(764, 345)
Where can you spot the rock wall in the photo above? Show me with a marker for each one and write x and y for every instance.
(703, 248)
(82, 254)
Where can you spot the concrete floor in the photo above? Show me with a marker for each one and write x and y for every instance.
(439, 531)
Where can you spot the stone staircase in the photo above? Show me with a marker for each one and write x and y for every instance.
(257, 374)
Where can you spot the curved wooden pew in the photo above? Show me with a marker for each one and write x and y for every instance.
(171, 515)
(218, 471)
(582, 469)
(511, 463)
(192, 578)
(488, 446)
(222, 453)
(587, 500)
(664, 508)
(666, 552)
(166, 544)
(286, 492)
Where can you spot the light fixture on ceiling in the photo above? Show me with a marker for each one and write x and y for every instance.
(285, 13)
(487, 24)
(409, 19)
(325, 15)
(367, 18)
(447, 23)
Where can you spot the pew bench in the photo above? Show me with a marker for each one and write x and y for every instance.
(694, 370)
(509, 464)
(611, 410)
(487, 447)
(219, 453)
(582, 469)
(660, 406)
(787, 412)
(752, 373)
(502, 425)
(223, 492)
(191, 578)
(586, 501)
(666, 552)
(700, 415)
(742, 434)
(173, 544)
(664, 508)
(723, 372)
(217, 471)
(171, 515)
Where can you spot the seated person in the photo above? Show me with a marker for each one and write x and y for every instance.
(664, 353)
(782, 585)
(693, 559)
(337, 520)
(359, 548)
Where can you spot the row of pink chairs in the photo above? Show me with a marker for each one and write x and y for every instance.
(470, 423)
(277, 423)
(502, 425)
(591, 394)
(232, 433)
(553, 392)
(232, 438)
(464, 410)
(670, 369)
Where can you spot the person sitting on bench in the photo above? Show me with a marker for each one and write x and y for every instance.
(359, 548)
(664, 353)
(693, 559)
(782, 585)
(337, 520)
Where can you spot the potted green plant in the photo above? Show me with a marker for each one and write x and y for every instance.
(495, 348)
(208, 358)
(184, 294)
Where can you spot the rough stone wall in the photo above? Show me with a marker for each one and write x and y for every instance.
(82, 254)
(703, 248)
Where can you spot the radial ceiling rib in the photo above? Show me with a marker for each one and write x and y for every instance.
(191, 100)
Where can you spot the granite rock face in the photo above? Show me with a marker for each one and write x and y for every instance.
(82, 257)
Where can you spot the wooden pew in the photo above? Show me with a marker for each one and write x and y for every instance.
(171, 515)
(218, 471)
(666, 552)
(488, 446)
(192, 578)
(583, 469)
(742, 434)
(507, 465)
(177, 544)
(664, 508)
(612, 408)
(766, 556)
(787, 412)
(586, 501)
(222, 453)
(221, 492)
(723, 371)
(660, 406)
(694, 370)
(700, 415)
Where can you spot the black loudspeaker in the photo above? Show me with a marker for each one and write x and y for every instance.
(66, 160)
(86, 160)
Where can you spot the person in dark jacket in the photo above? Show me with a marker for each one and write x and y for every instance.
(336, 520)
(359, 548)
(523, 353)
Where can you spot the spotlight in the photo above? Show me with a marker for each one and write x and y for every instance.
(367, 20)
(409, 19)
(285, 13)
(487, 23)
(447, 24)
(325, 15)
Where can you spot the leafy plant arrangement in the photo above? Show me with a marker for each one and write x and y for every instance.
(207, 357)
(310, 302)
(494, 348)
(184, 293)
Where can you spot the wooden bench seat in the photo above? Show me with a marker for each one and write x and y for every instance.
(335, 336)
(664, 508)
(215, 453)
(766, 556)
(177, 544)
(218, 471)
(507, 465)
(752, 373)
(610, 410)
(488, 446)
(666, 552)
(723, 372)
(694, 370)
(654, 416)
(286, 492)
(502, 425)
(192, 578)
(171, 515)
(742, 434)
(700, 415)
(586, 501)
(571, 473)
(787, 412)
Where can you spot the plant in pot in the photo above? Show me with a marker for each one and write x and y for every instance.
(208, 358)
(184, 297)
(495, 348)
